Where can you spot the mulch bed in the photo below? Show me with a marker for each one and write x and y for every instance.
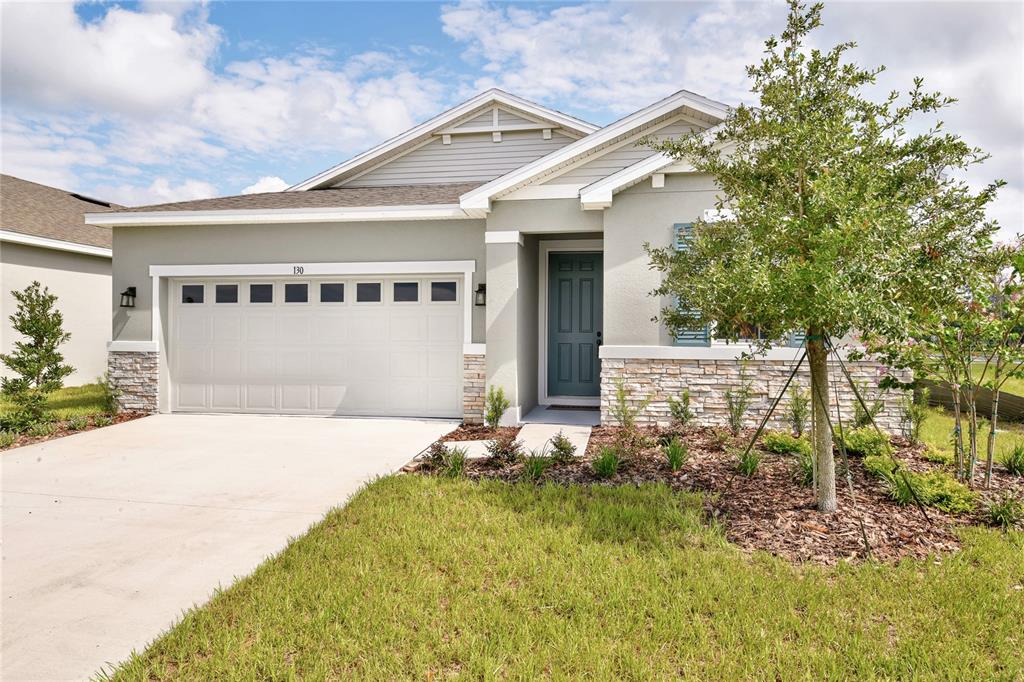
(477, 432)
(61, 429)
(771, 511)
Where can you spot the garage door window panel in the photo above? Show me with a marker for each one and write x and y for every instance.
(296, 292)
(225, 293)
(193, 293)
(405, 292)
(444, 291)
(332, 292)
(261, 293)
(368, 292)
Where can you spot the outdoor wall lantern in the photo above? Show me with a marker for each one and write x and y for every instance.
(128, 298)
(480, 296)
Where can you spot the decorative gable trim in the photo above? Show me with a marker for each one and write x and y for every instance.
(443, 125)
(55, 244)
(478, 201)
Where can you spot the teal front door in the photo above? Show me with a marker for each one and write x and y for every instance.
(574, 324)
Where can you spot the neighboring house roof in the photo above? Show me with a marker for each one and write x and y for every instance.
(49, 217)
(409, 202)
(442, 123)
(478, 201)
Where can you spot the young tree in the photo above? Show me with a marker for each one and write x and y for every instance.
(37, 362)
(837, 218)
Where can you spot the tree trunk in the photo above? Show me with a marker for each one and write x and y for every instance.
(958, 435)
(817, 358)
(972, 438)
(990, 448)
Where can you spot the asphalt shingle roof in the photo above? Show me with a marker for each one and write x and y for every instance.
(43, 211)
(335, 197)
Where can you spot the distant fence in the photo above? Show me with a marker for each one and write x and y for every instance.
(1011, 406)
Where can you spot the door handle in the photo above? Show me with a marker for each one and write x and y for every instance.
(599, 339)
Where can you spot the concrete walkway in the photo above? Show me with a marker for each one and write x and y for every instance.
(535, 437)
(109, 535)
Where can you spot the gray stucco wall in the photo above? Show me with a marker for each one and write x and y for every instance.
(136, 248)
(82, 286)
(637, 215)
(543, 215)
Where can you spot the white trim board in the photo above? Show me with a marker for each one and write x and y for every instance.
(504, 237)
(716, 351)
(278, 215)
(479, 199)
(132, 346)
(544, 249)
(55, 244)
(470, 107)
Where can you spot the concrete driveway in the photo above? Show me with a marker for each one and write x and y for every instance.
(109, 535)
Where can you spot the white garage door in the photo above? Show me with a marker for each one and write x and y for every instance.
(337, 346)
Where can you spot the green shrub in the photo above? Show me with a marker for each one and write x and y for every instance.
(562, 449)
(784, 444)
(495, 406)
(913, 413)
(102, 420)
(41, 429)
(737, 402)
(535, 464)
(622, 411)
(933, 489)
(680, 410)
(1014, 461)
(7, 439)
(676, 454)
(804, 470)
(799, 409)
(454, 465)
(937, 456)
(504, 448)
(77, 423)
(1005, 512)
(862, 417)
(748, 462)
(607, 463)
(110, 395)
(866, 442)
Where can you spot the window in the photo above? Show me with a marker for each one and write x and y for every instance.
(226, 293)
(332, 292)
(296, 292)
(443, 291)
(192, 293)
(406, 292)
(261, 293)
(368, 292)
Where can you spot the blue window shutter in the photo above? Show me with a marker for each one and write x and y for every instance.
(700, 336)
(796, 339)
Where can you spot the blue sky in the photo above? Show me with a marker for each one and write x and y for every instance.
(160, 101)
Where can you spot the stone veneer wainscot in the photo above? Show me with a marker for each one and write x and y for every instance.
(708, 380)
(474, 376)
(136, 376)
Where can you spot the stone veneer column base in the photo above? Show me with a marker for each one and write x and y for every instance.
(708, 380)
(136, 376)
(474, 378)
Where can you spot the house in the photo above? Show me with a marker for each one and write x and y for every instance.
(43, 237)
(497, 244)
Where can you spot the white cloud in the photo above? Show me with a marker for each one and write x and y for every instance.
(268, 183)
(161, 190)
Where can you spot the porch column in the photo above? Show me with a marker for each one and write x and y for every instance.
(504, 253)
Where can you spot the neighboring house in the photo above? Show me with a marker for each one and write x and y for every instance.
(499, 243)
(43, 237)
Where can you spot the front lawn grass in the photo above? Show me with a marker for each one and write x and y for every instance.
(429, 578)
(70, 401)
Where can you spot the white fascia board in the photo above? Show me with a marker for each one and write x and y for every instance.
(315, 269)
(601, 191)
(441, 121)
(568, 191)
(55, 244)
(279, 215)
(480, 198)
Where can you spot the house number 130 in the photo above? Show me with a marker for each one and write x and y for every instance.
(298, 270)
